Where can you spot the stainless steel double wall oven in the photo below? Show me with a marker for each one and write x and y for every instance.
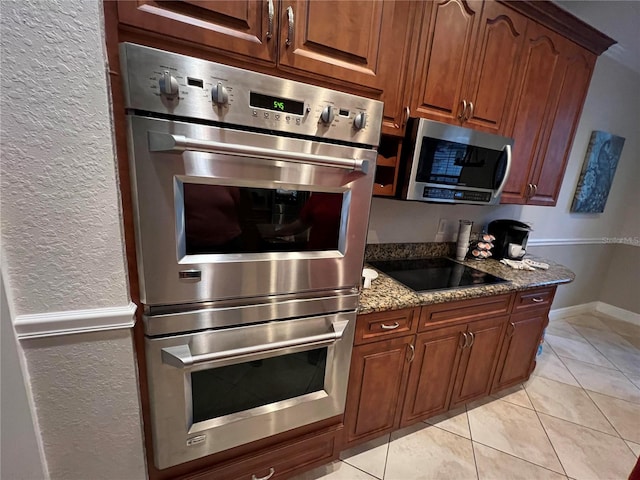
(251, 200)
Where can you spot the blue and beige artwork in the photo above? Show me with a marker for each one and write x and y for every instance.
(597, 172)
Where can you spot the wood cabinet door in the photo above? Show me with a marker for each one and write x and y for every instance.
(519, 347)
(446, 42)
(240, 28)
(571, 83)
(376, 384)
(492, 84)
(335, 39)
(479, 360)
(539, 64)
(432, 373)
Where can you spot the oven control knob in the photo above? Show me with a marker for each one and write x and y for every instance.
(327, 115)
(360, 121)
(168, 84)
(219, 95)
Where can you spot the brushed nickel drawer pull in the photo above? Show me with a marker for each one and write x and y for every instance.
(413, 352)
(466, 340)
(471, 109)
(389, 327)
(537, 299)
(473, 339)
(513, 325)
(271, 472)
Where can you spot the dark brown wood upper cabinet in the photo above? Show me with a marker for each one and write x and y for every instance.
(467, 63)
(240, 28)
(554, 78)
(362, 42)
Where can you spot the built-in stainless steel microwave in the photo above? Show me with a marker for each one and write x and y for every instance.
(449, 164)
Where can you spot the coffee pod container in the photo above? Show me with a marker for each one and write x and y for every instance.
(463, 239)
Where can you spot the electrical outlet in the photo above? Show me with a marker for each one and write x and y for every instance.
(442, 230)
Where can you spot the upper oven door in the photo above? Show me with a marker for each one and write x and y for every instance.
(223, 214)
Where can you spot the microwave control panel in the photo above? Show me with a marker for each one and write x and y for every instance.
(446, 194)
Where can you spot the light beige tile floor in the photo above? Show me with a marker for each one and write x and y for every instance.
(577, 417)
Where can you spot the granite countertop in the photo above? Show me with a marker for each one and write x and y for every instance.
(388, 294)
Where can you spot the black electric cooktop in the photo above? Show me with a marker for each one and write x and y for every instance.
(425, 274)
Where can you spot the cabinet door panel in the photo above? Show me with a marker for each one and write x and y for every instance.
(572, 84)
(335, 38)
(479, 360)
(538, 67)
(375, 384)
(237, 27)
(432, 373)
(519, 347)
(443, 58)
(500, 41)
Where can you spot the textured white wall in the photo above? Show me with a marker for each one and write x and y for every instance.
(612, 105)
(62, 245)
(20, 456)
(61, 234)
(86, 395)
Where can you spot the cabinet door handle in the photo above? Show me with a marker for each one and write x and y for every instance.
(529, 191)
(413, 353)
(473, 339)
(535, 189)
(463, 111)
(405, 117)
(537, 299)
(290, 28)
(271, 472)
(513, 329)
(471, 108)
(466, 340)
(389, 327)
(270, 24)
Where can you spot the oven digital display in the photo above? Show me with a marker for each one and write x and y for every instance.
(275, 103)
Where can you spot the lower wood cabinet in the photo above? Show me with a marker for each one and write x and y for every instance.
(280, 461)
(479, 360)
(376, 383)
(457, 353)
(520, 347)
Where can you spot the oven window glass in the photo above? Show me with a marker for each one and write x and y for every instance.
(243, 386)
(452, 163)
(229, 219)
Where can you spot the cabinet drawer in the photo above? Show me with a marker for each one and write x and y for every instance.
(382, 325)
(435, 316)
(279, 461)
(538, 298)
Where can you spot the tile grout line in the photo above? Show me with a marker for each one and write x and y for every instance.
(507, 453)
(386, 457)
(579, 424)
(359, 469)
(473, 449)
(547, 434)
(563, 364)
(605, 416)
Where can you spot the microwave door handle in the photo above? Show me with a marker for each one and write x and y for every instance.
(180, 356)
(167, 142)
(507, 149)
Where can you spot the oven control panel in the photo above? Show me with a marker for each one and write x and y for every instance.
(167, 83)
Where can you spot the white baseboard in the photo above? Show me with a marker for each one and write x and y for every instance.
(591, 307)
(74, 321)
(557, 313)
(617, 312)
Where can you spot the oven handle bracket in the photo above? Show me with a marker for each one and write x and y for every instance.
(180, 356)
(167, 142)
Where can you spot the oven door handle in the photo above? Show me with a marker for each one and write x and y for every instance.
(167, 142)
(180, 356)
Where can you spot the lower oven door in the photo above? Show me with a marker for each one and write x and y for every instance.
(215, 390)
(223, 213)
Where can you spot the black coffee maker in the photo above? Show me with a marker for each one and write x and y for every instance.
(511, 239)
